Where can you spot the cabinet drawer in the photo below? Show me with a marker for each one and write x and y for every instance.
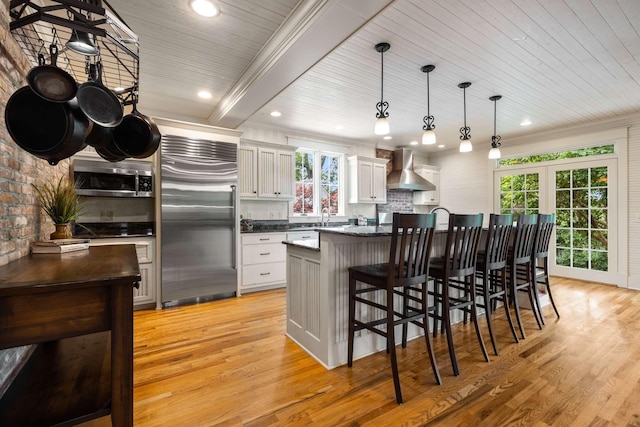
(264, 273)
(258, 239)
(302, 235)
(257, 254)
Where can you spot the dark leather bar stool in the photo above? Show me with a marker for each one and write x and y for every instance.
(520, 259)
(455, 271)
(540, 259)
(408, 265)
(491, 269)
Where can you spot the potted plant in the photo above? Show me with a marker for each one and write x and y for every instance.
(61, 203)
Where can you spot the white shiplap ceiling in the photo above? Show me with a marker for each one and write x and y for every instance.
(555, 62)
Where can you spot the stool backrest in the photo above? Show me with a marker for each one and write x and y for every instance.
(523, 241)
(463, 237)
(411, 241)
(498, 239)
(543, 235)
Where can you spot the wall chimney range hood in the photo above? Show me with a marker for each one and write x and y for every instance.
(403, 177)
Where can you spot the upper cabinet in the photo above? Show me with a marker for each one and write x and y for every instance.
(267, 172)
(431, 174)
(367, 180)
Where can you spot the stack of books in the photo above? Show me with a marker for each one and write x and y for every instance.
(59, 246)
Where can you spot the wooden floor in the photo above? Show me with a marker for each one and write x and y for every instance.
(228, 363)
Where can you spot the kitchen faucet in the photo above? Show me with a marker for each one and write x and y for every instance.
(324, 211)
(438, 208)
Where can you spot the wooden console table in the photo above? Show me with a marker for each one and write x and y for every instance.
(70, 302)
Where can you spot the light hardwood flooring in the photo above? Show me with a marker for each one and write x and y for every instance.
(229, 363)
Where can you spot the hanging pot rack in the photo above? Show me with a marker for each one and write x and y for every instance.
(37, 24)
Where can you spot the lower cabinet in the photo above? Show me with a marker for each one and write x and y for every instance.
(263, 262)
(145, 295)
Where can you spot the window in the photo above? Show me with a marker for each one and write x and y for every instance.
(318, 183)
(569, 154)
(519, 194)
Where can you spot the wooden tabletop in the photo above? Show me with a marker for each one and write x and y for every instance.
(37, 272)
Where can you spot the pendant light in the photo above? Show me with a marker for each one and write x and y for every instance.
(80, 42)
(494, 153)
(382, 124)
(465, 145)
(428, 136)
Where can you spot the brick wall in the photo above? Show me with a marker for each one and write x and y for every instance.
(21, 219)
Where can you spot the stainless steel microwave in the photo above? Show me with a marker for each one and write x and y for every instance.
(119, 179)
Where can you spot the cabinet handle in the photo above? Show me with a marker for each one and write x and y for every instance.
(254, 192)
(262, 239)
(306, 237)
(265, 253)
(265, 274)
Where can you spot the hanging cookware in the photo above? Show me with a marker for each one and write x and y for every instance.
(110, 153)
(49, 130)
(50, 82)
(100, 136)
(137, 136)
(98, 103)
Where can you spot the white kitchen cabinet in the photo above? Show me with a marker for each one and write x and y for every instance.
(266, 172)
(431, 174)
(276, 169)
(302, 235)
(145, 295)
(367, 180)
(248, 172)
(263, 262)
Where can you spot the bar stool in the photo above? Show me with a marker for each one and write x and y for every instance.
(540, 258)
(491, 269)
(408, 265)
(456, 270)
(519, 259)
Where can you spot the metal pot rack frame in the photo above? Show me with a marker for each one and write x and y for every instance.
(37, 25)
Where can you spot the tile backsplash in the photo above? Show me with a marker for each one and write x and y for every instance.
(397, 201)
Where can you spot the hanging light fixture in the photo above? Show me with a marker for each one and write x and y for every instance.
(494, 153)
(80, 42)
(428, 136)
(465, 145)
(382, 124)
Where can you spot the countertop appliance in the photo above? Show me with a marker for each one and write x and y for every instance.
(198, 228)
(107, 179)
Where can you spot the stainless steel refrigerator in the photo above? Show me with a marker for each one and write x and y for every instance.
(198, 228)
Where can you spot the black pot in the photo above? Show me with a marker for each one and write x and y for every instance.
(137, 136)
(48, 130)
(99, 136)
(50, 82)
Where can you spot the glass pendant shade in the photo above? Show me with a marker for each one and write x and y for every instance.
(466, 146)
(428, 137)
(494, 153)
(382, 126)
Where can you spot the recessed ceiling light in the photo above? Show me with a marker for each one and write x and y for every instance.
(204, 94)
(276, 114)
(413, 143)
(339, 127)
(388, 137)
(205, 8)
(118, 89)
(441, 146)
(525, 122)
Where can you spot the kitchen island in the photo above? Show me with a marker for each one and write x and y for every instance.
(318, 291)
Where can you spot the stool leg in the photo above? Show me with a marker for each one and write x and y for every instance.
(487, 306)
(405, 310)
(514, 300)
(474, 316)
(432, 356)
(505, 302)
(446, 323)
(352, 312)
(534, 281)
(391, 345)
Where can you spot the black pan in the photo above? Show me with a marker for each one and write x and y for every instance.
(137, 136)
(100, 136)
(50, 82)
(49, 130)
(98, 103)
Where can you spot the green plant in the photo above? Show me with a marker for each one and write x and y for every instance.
(59, 201)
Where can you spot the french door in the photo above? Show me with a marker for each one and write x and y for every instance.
(583, 196)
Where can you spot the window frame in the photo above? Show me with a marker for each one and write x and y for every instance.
(317, 167)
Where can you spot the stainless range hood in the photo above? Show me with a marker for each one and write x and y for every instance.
(403, 177)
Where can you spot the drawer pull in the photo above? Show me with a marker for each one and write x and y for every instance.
(306, 237)
(265, 253)
(265, 274)
(262, 239)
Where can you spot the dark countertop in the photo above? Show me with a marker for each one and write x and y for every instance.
(313, 245)
(359, 231)
(283, 228)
